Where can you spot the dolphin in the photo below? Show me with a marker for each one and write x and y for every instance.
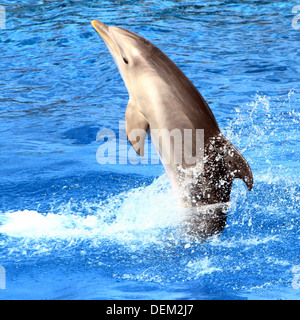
(162, 100)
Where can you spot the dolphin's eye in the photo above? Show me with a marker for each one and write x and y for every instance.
(125, 60)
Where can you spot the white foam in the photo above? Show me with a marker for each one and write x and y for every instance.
(238, 242)
(200, 267)
(266, 130)
(139, 214)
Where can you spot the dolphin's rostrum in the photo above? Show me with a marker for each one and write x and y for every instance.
(163, 100)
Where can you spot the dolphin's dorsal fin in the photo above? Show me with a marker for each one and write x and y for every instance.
(235, 164)
(136, 128)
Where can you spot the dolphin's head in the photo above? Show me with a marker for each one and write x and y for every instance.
(129, 50)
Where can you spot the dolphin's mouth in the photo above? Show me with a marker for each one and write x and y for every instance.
(103, 32)
(101, 29)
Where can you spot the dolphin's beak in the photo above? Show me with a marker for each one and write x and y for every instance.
(102, 30)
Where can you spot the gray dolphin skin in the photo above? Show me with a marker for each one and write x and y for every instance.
(200, 162)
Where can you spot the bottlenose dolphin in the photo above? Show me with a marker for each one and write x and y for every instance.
(163, 100)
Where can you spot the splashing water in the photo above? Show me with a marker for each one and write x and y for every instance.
(270, 127)
(123, 218)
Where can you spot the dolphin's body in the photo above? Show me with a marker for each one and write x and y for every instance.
(163, 99)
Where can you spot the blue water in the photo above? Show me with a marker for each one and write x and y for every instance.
(71, 228)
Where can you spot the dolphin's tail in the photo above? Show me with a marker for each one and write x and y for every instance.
(235, 164)
(222, 164)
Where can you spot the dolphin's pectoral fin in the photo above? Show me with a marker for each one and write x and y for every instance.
(136, 128)
(235, 164)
